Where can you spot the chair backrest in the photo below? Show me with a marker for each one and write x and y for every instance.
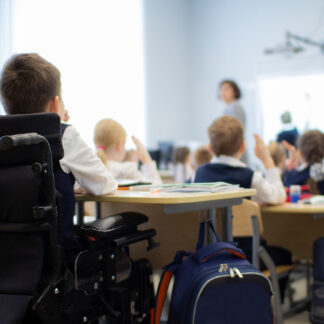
(29, 247)
(242, 225)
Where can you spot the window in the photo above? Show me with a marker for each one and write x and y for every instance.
(302, 95)
(98, 47)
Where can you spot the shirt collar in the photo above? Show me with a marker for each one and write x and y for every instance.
(230, 160)
(302, 167)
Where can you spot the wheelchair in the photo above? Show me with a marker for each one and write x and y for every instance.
(36, 286)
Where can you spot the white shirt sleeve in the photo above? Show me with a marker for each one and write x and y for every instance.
(151, 173)
(87, 169)
(129, 170)
(269, 188)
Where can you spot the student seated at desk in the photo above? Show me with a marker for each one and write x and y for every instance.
(30, 84)
(310, 171)
(227, 144)
(109, 138)
(182, 165)
(202, 155)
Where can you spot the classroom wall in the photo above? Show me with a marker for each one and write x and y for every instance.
(228, 40)
(167, 61)
(191, 45)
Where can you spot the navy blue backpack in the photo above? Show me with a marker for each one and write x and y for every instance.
(214, 285)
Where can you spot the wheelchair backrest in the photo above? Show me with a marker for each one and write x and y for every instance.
(29, 242)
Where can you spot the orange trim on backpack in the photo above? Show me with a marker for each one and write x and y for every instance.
(161, 296)
(239, 255)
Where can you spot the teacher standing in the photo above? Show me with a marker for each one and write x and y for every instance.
(230, 93)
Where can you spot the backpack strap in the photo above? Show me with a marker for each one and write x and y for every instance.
(201, 237)
(166, 277)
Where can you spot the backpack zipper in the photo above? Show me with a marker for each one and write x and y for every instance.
(232, 271)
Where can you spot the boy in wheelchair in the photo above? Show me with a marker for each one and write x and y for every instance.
(47, 274)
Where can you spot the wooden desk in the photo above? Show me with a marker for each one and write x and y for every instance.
(294, 226)
(173, 215)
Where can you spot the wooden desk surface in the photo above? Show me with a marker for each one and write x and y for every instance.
(289, 208)
(128, 196)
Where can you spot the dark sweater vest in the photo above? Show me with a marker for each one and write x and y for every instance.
(295, 177)
(64, 183)
(212, 172)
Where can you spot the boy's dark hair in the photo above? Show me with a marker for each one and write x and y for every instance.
(28, 83)
(225, 136)
(234, 86)
(311, 145)
(180, 154)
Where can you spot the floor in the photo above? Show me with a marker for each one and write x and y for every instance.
(299, 285)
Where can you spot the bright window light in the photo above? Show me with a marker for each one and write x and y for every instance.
(303, 96)
(98, 47)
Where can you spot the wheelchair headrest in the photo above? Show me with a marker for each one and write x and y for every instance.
(46, 124)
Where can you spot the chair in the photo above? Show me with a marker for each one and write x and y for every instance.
(36, 286)
(247, 222)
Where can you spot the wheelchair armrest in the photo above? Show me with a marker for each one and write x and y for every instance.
(114, 226)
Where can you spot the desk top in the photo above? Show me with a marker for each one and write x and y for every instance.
(290, 208)
(128, 196)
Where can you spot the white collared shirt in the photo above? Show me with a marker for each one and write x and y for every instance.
(129, 170)
(87, 169)
(269, 189)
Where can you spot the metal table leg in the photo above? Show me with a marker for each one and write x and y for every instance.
(98, 209)
(80, 212)
(227, 224)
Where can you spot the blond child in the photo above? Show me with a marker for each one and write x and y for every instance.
(278, 154)
(110, 138)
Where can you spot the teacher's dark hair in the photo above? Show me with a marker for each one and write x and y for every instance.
(234, 86)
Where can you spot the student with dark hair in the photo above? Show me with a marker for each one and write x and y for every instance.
(29, 84)
(182, 165)
(310, 171)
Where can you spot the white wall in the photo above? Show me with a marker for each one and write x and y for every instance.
(166, 39)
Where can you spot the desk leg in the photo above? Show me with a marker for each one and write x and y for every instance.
(80, 212)
(227, 224)
(98, 209)
(211, 214)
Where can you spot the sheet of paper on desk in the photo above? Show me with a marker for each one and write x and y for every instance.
(189, 187)
(315, 200)
(130, 182)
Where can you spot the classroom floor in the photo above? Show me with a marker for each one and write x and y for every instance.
(300, 292)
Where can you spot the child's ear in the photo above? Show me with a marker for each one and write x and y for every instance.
(210, 148)
(119, 146)
(242, 147)
(54, 105)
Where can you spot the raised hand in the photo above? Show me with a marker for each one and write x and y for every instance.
(141, 151)
(262, 152)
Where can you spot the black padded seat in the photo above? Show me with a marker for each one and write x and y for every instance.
(114, 226)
